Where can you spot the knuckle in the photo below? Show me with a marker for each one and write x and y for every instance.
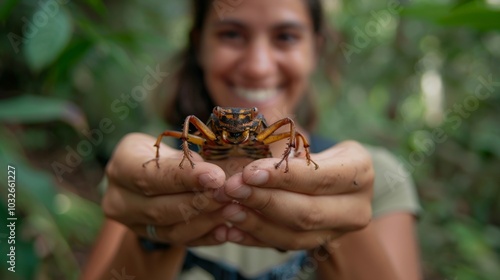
(363, 218)
(353, 175)
(110, 170)
(310, 219)
(110, 207)
(364, 176)
(156, 215)
(354, 145)
(370, 177)
(140, 182)
(266, 204)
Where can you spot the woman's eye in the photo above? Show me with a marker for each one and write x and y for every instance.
(229, 35)
(287, 38)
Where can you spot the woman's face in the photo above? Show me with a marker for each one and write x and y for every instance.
(259, 54)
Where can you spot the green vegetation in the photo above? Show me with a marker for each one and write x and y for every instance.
(421, 78)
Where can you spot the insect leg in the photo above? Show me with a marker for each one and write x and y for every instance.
(205, 131)
(306, 147)
(266, 136)
(177, 134)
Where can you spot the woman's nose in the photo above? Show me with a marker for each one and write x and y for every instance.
(258, 61)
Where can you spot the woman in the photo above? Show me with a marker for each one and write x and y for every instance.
(259, 54)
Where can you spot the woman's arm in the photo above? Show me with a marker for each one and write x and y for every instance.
(396, 233)
(386, 248)
(118, 255)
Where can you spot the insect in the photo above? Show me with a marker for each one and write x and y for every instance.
(235, 132)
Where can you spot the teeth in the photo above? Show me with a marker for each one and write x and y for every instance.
(256, 95)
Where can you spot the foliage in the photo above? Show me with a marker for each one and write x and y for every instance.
(399, 74)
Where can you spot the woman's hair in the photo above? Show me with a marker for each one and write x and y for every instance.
(189, 94)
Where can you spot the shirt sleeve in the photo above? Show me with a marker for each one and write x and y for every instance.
(394, 188)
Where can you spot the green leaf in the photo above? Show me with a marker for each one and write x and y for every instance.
(429, 12)
(474, 14)
(37, 109)
(47, 38)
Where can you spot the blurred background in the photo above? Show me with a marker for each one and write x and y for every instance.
(420, 77)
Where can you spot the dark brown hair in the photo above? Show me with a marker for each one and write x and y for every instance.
(189, 95)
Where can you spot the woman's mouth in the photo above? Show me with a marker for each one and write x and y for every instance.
(256, 95)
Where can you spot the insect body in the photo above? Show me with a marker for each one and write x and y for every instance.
(235, 132)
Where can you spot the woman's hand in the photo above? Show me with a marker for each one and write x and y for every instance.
(304, 208)
(178, 202)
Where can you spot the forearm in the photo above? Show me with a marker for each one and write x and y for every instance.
(357, 255)
(117, 253)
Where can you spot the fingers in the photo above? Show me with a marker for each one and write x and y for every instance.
(126, 168)
(343, 168)
(300, 211)
(214, 237)
(178, 202)
(258, 231)
(199, 230)
(128, 207)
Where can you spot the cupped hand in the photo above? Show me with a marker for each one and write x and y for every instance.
(303, 208)
(178, 202)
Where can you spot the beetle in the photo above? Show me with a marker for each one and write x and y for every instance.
(235, 132)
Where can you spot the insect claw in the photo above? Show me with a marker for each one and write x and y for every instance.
(147, 162)
(316, 166)
(286, 168)
(277, 165)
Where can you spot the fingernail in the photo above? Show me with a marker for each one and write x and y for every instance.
(235, 235)
(241, 192)
(208, 181)
(258, 178)
(221, 234)
(234, 213)
(238, 217)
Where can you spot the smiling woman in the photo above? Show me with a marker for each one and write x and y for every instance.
(243, 61)
(261, 54)
(234, 221)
